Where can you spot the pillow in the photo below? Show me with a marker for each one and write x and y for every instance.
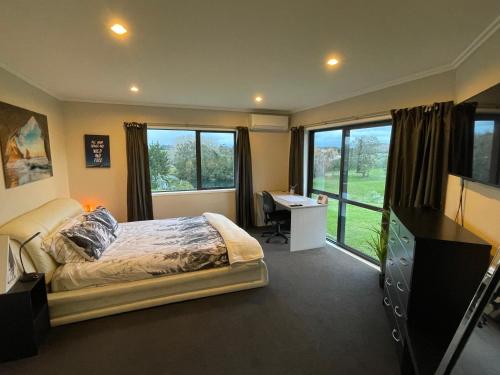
(103, 216)
(61, 248)
(90, 237)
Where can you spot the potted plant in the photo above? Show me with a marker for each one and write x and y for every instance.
(378, 243)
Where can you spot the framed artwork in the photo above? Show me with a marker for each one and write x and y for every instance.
(9, 272)
(97, 151)
(25, 146)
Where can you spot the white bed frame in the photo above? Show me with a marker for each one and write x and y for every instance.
(89, 303)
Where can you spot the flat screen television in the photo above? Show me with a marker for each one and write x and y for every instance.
(475, 152)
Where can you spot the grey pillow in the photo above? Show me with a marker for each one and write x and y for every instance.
(103, 216)
(90, 237)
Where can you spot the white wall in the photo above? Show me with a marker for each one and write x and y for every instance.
(482, 204)
(270, 153)
(195, 203)
(423, 91)
(107, 186)
(481, 208)
(18, 200)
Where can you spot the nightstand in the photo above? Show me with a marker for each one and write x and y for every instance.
(24, 319)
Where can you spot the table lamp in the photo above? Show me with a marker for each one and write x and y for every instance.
(32, 276)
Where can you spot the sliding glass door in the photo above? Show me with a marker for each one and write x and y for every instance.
(349, 165)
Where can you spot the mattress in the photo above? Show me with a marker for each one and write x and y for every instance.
(148, 249)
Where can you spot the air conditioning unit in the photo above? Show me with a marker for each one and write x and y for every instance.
(268, 123)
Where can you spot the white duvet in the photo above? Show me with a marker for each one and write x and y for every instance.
(155, 248)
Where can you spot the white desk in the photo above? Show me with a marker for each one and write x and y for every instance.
(308, 220)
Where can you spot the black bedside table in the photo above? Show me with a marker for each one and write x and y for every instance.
(24, 319)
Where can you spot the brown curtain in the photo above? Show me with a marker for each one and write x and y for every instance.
(296, 160)
(139, 200)
(417, 169)
(462, 139)
(244, 184)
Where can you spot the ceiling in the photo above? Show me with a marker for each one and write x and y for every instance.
(222, 53)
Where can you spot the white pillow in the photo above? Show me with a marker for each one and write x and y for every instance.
(61, 248)
(90, 238)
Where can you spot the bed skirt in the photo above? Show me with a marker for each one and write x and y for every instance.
(90, 303)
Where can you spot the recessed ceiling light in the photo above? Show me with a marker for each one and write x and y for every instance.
(134, 89)
(258, 99)
(118, 29)
(332, 62)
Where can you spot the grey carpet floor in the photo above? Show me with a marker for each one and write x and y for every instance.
(320, 314)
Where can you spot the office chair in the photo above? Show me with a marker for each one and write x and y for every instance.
(276, 217)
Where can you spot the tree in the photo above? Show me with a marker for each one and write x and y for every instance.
(174, 167)
(217, 165)
(159, 166)
(326, 161)
(185, 161)
(364, 154)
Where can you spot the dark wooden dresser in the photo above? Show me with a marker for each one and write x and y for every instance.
(433, 268)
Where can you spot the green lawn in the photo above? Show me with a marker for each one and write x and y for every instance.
(358, 220)
(369, 189)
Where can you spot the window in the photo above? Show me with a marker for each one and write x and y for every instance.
(181, 160)
(486, 148)
(217, 160)
(349, 165)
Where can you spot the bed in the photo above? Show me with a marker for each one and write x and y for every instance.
(94, 289)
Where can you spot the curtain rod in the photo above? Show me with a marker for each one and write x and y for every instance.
(347, 119)
(186, 125)
(485, 108)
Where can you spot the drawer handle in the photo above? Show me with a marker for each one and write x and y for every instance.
(400, 288)
(394, 332)
(405, 239)
(393, 222)
(388, 281)
(404, 261)
(386, 301)
(396, 311)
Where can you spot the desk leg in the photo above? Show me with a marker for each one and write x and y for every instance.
(308, 228)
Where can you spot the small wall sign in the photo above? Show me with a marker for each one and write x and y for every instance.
(97, 151)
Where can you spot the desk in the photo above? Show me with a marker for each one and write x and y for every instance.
(308, 221)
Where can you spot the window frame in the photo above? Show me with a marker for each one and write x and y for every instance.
(340, 198)
(199, 184)
(485, 116)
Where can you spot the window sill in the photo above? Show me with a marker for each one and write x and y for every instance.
(190, 192)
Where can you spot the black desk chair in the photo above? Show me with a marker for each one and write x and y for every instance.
(276, 217)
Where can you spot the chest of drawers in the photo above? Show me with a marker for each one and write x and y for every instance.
(433, 268)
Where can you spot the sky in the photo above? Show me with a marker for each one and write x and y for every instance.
(484, 126)
(334, 137)
(172, 137)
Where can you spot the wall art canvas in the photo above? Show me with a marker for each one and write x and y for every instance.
(9, 272)
(25, 146)
(97, 151)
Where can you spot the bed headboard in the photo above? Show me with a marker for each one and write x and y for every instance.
(43, 219)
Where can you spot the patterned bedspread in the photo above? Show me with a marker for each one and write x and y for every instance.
(147, 249)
